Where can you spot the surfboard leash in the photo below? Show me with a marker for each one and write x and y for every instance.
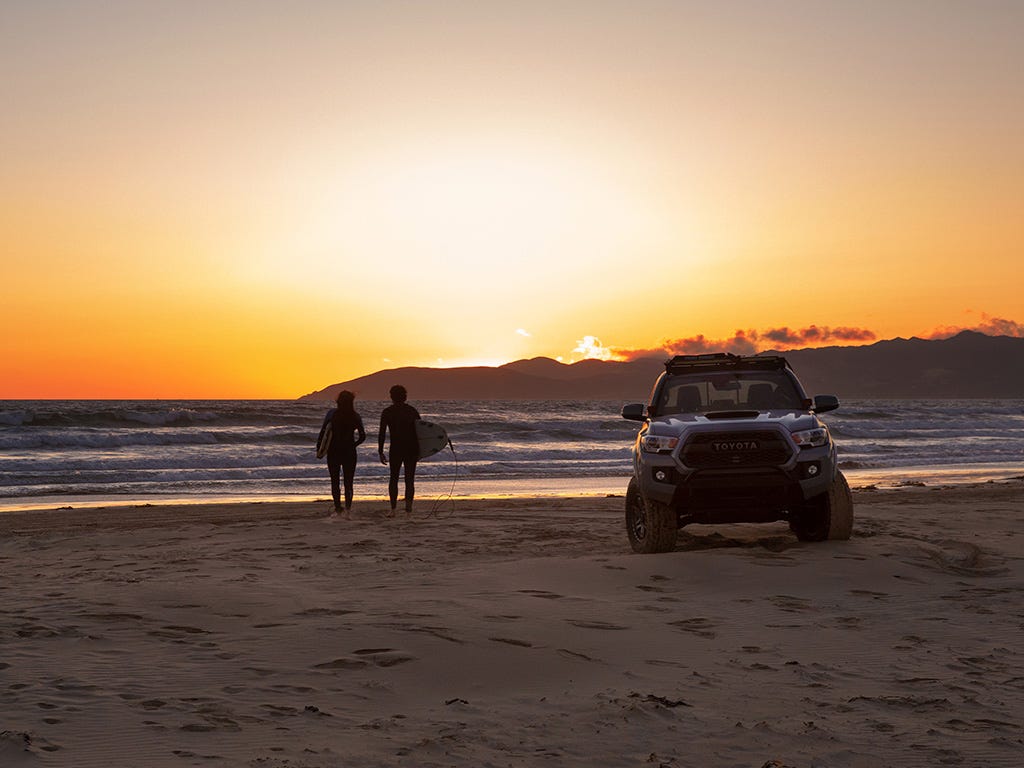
(436, 509)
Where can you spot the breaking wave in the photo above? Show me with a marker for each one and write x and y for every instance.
(260, 447)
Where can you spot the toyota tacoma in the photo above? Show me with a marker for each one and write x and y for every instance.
(733, 439)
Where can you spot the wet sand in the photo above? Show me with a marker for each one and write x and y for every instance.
(512, 632)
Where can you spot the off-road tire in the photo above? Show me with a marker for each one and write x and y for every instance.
(828, 516)
(650, 525)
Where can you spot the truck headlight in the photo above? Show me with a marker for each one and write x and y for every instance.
(811, 438)
(658, 443)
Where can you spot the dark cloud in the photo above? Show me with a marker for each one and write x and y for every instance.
(843, 333)
(814, 334)
(750, 341)
(990, 326)
(782, 335)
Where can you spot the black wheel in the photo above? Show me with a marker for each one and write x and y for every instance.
(828, 516)
(650, 525)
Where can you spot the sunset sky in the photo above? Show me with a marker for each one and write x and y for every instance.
(258, 199)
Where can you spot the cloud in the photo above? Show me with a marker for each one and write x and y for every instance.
(750, 341)
(813, 335)
(990, 326)
(522, 332)
(591, 348)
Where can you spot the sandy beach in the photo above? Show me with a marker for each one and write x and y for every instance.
(512, 632)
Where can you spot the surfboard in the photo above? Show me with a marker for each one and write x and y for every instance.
(325, 442)
(432, 437)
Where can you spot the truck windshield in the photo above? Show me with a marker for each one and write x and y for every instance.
(727, 391)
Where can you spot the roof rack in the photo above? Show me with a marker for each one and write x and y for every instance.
(724, 361)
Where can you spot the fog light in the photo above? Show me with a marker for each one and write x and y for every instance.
(812, 470)
(660, 475)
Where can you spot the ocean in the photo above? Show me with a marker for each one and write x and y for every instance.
(63, 453)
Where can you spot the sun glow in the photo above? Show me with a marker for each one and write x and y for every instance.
(251, 202)
(503, 215)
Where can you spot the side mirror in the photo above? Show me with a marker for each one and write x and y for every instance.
(825, 403)
(634, 412)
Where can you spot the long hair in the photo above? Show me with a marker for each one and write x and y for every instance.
(346, 403)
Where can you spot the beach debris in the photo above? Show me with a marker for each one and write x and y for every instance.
(17, 738)
(661, 700)
(662, 762)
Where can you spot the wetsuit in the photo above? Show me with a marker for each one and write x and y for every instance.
(341, 455)
(400, 419)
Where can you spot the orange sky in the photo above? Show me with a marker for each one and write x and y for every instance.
(258, 200)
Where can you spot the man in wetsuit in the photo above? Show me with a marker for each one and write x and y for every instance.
(400, 418)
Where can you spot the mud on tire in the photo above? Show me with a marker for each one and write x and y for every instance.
(650, 525)
(829, 516)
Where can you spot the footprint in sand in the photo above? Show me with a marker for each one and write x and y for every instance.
(792, 604)
(364, 657)
(259, 672)
(696, 626)
(665, 663)
(869, 593)
(500, 618)
(342, 663)
(177, 632)
(117, 617)
(198, 727)
(574, 655)
(511, 641)
(541, 593)
(596, 625)
(384, 657)
(324, 612)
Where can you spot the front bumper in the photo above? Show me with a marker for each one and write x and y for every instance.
(750, 492)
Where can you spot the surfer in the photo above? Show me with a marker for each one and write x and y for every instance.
(400, 418)
(341, 452)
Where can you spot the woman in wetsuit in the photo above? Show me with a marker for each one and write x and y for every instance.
(341, 454)
(400, 418)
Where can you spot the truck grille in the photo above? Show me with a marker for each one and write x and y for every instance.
(714, 450)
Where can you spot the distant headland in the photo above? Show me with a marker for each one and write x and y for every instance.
(968, 365)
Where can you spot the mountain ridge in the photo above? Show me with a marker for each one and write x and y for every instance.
(968, 365)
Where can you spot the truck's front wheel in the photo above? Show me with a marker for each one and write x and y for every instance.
(650, 525)
(828, 516)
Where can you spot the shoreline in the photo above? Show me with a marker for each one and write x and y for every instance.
(430, 490)
(143, 513)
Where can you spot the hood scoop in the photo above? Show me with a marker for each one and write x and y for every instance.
(732, 415)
